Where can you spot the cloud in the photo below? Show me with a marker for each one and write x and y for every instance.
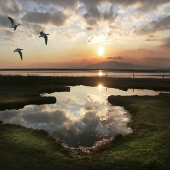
(62, 3)
(95, 99)
(69, 3)
(74, 36)
(137, 17)
(100, 38)
(154, 26)
(153, 39)
(115, 58)
(152, 36)
(7, 114)
(33, 28)
(71, 101)
(125, 2)
(89, 108)
(10, 7)
(4, 21)
(10, 37)
(166, 42)
(58, 18)
(55, 117)
(93, 17)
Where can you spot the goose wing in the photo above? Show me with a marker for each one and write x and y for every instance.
(16, 50)
(46, 39)
(20, 53)
(12, 21)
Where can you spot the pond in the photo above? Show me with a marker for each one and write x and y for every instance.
(81, 117)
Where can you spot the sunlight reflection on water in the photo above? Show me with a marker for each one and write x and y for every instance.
(80, 117)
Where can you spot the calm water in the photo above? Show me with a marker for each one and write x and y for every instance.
(81, 117)
(78, 73)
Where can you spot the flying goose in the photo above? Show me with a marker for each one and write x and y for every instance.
(13, 25)
(42, 34)
(19, 51)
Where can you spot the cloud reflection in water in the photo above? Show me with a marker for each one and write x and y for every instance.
(77, 119)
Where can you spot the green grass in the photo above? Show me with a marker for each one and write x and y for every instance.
(22, 148)
(147, 148)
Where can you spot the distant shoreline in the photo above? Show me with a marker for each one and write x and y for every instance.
(111, 70)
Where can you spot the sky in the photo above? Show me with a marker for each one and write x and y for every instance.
(130, 31)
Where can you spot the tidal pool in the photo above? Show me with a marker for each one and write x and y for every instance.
(81, 117)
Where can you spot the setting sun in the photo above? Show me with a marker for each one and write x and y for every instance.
(100, 51)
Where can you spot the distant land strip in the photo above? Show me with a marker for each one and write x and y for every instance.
(165, 70)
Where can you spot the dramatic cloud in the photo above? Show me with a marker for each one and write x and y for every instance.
(58, 18)
(10, 7)
(157, 25)
(144, 5)
(125, 2)
(93, 17)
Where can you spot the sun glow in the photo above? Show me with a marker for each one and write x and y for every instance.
(100, 87)
(100, 51)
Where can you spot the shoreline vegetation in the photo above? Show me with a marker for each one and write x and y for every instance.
(146, 148)
(18, 91)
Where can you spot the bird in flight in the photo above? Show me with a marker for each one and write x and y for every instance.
(19, 51)
(13, 25)
(42, 34)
